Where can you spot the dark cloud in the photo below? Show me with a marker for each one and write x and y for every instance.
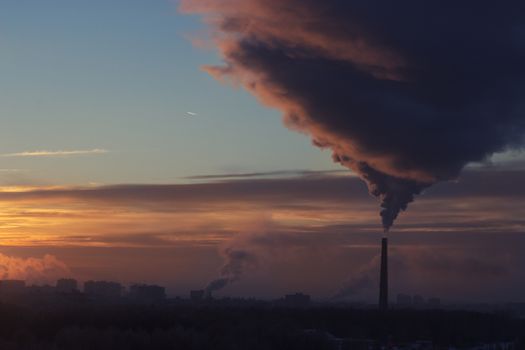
(404, 93)
(292, 191)
(279, 173)
(263, 190)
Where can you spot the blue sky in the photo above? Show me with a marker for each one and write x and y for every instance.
(120, 76)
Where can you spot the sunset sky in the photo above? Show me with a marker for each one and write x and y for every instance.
(121, 158)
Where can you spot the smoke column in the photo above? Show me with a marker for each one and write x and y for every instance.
(404, 93)
(237, 261)
(247, 252)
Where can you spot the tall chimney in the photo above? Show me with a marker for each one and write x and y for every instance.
(383, 282)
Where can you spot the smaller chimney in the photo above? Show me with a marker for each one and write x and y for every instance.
(383, 282)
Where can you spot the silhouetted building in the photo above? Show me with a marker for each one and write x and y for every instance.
(147, 293)
(66, 286)
(297, 300)
(197, 295)
(103, 289)
(404, 300)
(383, 278)
(12, 287)
(45, 290)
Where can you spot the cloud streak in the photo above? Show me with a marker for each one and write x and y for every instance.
(278, 173)
(60, 153)
(318, 188)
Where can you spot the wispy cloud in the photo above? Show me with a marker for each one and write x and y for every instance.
(60, 153)
(10, 170)
(278, 173)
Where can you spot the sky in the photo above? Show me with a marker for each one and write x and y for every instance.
(125, 155)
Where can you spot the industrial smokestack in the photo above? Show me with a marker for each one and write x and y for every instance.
(383, 283)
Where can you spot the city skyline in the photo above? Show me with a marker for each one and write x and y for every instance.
(137, 147)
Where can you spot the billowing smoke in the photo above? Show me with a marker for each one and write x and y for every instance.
(405, 93)
(237, 262)
(33, 270)
(247, 252)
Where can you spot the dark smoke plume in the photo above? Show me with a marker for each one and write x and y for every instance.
(253, 249)
(237, 261)
(405, 93)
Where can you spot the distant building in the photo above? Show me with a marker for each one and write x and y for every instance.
(103, 289)
(297, 300)
(45, 290)
(404, 300)
(147, 293)
(197, 295)
(12, 287)
(66, 286)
